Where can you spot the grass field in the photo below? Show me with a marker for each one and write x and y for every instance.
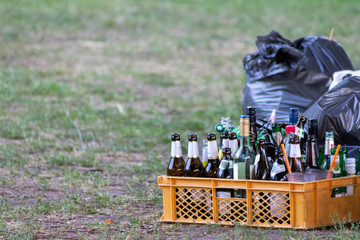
(91, 90)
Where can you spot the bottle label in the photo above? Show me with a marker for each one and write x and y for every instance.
(277, 168)
(190, 149)
(299, 132)
(173, 149)
(240, 170)
(178, 149)
(295, 151)
(195, 149)
(336, 169)
(212, 151)
(257, 159)
(252, 172)
(224, 164)
(225, 143)
(233, 144)
(329, 144)
(223, 194)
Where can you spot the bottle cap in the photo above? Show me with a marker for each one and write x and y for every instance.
(293, 116)
(233, 135)
(250, 110)
(192, 137)
(219, 128)
(211, 136)
(175, 136)
(289, 129)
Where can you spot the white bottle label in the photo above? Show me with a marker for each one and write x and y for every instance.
(212, 150)
(173, 149)
(225, 143)
(224, 164)
(257, 159)
(195, 149)
(295, 151)
(178, 149)
(233, 144)
(224, 194)
(190, 149)
(277, 168)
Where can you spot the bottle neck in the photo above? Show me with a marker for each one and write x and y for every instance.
(212, 150)
(178, 151)
(190, 149)
(195, 149)
(173, 149)
(244, 141)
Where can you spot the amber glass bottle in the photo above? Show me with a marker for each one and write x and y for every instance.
(176, 164)
(193, 165)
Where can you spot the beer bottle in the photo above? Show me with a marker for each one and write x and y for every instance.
(299, 131)
(224, 172)
(262, 166)
(288, 131)
(311, 152)
(251, 112)
(224, 142)
(293, 116)
(233, 143)
(313, 127)
(276, 134)
(176, 164)
(193, 165)
(278, 170)
(212, 156)
(204, 157)
(329, 143)
(345, 157)
(338, 171)
(244, 158)
(295, 161)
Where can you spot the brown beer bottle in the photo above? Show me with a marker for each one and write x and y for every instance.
(193, 165)
(176, 164)
(262, 165)
(295, 160)
(213, 158)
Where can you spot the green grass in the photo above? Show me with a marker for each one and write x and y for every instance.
(91, 90)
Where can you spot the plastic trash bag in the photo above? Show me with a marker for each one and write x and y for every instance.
(285, 74)
(338, 110)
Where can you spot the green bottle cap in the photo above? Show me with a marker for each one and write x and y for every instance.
(219, 128)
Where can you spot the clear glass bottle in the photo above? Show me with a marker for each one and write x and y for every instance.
(244, 158)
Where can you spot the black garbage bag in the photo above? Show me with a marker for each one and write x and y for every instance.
(338, 110)
(285, 74)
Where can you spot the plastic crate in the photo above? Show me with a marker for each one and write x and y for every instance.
(299, 205)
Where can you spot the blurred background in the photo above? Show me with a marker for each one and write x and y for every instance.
(91, 90)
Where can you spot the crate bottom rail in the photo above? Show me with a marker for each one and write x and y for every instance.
(300, 205)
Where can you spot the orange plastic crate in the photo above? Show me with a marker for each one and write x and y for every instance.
(299, 205)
